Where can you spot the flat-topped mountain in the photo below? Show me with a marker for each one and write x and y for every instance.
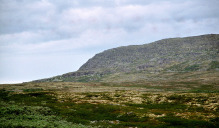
(189, 54)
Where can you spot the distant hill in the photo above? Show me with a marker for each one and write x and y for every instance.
(141, 62)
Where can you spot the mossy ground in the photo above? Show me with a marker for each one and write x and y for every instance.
(105, 105)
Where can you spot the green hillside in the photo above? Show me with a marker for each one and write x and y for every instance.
(178, 55)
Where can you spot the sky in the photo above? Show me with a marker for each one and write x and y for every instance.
(45, 38)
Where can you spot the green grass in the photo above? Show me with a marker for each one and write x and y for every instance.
(205, 89)
(179, 98)
(43, 109)
(163, 106)
(214, 65)
(17, 116)
(194, 67)
(33, 90)
(176, 122)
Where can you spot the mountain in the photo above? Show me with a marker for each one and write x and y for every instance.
(149, 61)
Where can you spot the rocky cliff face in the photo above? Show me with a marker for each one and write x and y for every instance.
(198, 53)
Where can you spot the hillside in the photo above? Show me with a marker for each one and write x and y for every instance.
(159, 59)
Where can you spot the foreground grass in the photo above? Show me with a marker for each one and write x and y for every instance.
(14, 116)
(28, 111)
(37, 108)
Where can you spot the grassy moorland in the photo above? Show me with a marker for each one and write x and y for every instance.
(80, 105)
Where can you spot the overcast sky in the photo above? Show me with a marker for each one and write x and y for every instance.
(45, 38)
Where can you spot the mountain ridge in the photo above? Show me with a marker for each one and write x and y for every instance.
(187, 54)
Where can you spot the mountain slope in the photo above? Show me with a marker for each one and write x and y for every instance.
(189, 54)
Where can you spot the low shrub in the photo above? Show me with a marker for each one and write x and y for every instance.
(14, 116)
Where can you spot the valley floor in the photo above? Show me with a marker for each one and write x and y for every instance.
(81, 105)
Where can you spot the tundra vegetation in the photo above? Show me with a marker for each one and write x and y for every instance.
(82, 105)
